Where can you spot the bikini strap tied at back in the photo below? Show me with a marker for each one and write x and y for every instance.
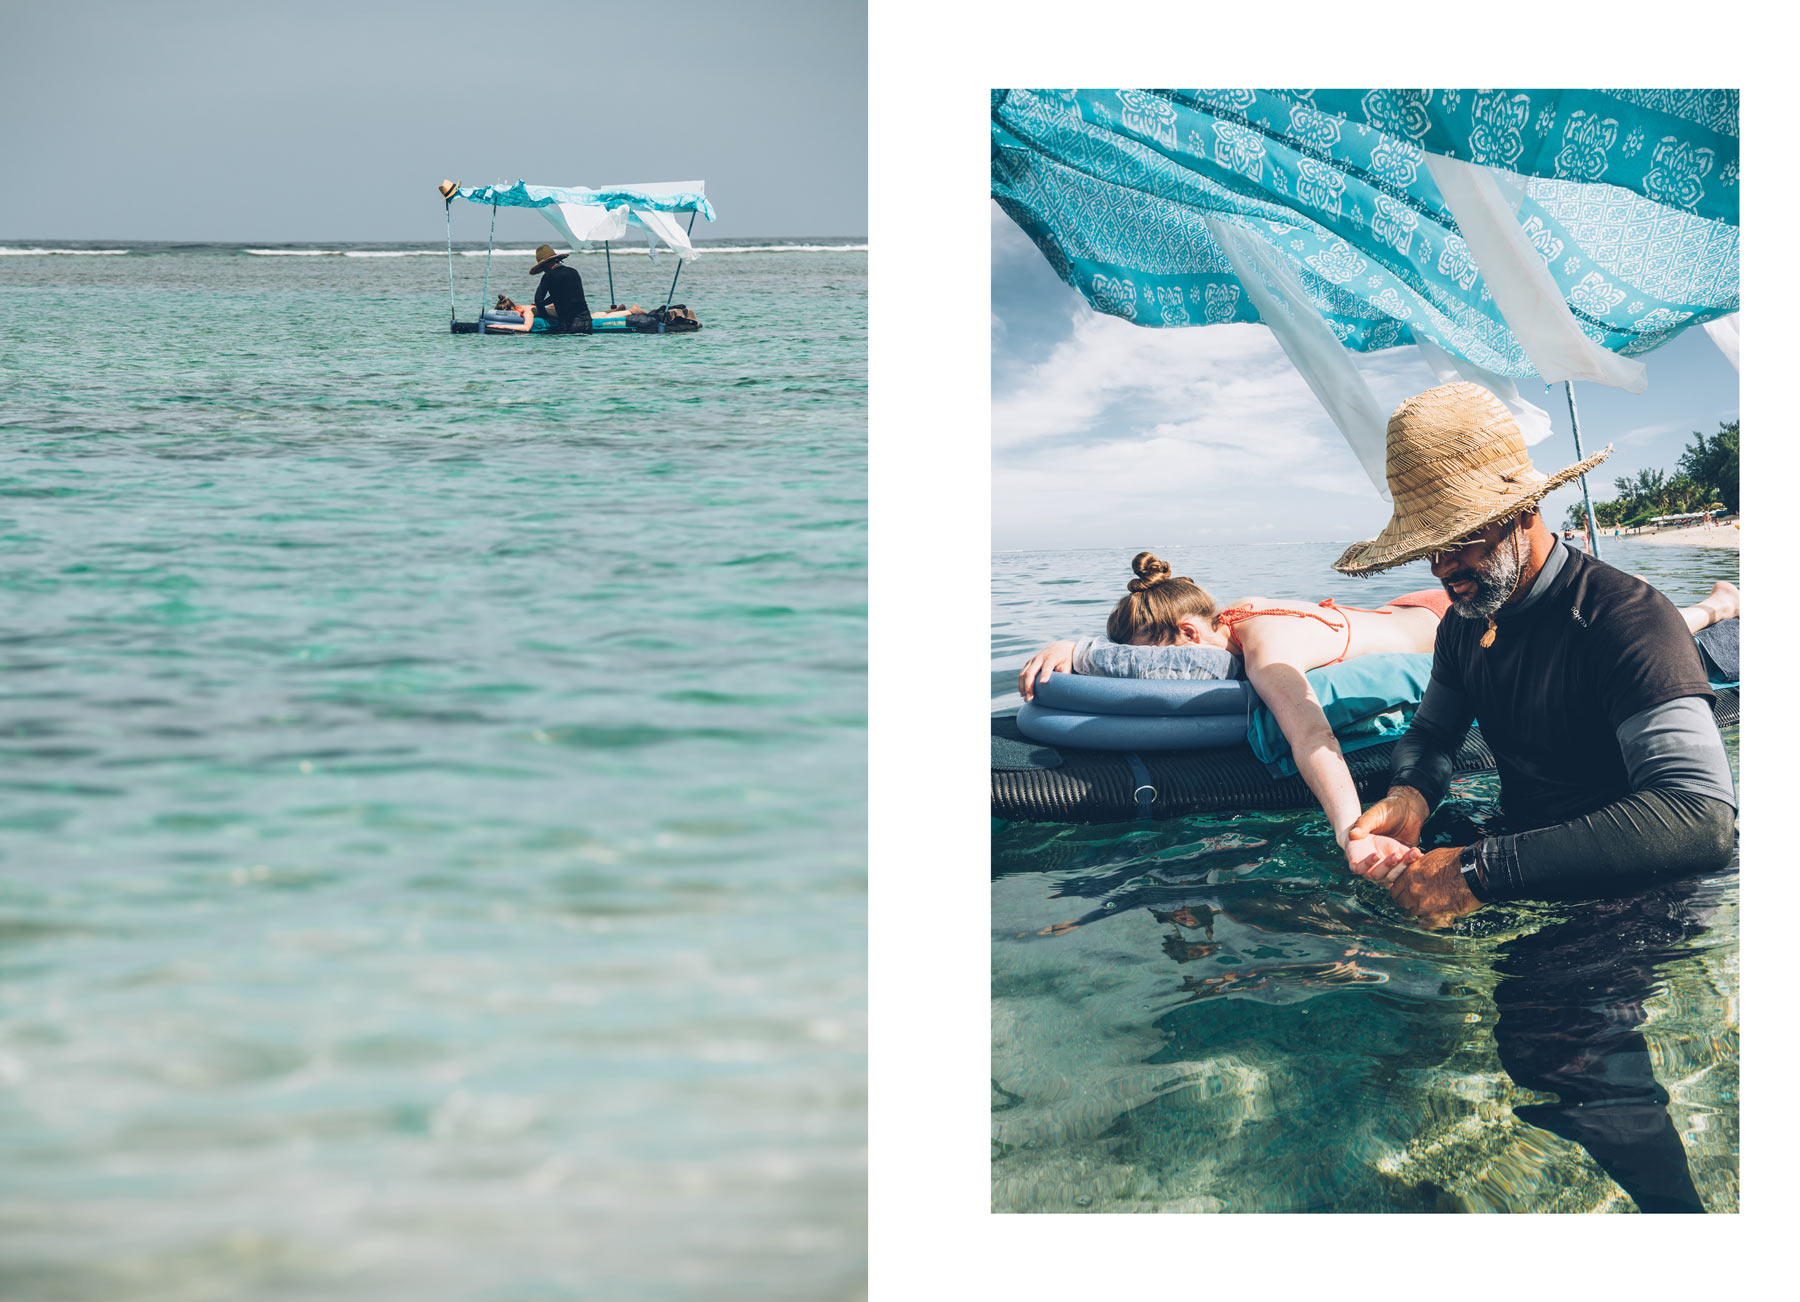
(1236, 615)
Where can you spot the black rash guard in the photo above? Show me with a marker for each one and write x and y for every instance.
(562, 286)
(1595, 704)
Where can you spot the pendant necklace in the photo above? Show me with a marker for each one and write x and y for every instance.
(1487, 638)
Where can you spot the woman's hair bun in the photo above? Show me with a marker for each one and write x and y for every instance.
(1150, 571)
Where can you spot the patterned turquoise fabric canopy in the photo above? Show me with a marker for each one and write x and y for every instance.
(1629, 196)
(679, 196)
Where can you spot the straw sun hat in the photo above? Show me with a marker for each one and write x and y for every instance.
(545, 256)
(1456, 463)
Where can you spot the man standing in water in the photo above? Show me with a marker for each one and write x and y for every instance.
(1615, 787)
(559, 298)
(1588, 685)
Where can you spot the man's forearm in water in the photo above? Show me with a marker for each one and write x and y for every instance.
(1646, 836)
(1679, 818)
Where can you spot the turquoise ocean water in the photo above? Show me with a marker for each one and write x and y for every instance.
(1212, 1014)
(431, 781)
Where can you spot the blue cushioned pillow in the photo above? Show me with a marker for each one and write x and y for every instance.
(1122, 660)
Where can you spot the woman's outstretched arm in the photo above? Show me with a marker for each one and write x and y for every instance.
(1281, 683)
(1057, 658)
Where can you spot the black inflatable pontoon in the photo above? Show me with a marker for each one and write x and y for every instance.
(1035, 783)
(666, 320)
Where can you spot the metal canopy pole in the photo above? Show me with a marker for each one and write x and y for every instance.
(612, 296)
(671, 298)
(492, 213)
(450, 257)
(1587, 501)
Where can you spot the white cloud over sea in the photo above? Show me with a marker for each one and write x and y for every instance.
(1109, 434)
(1121, 430)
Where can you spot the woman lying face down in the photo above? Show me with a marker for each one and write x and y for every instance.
(1279, 640)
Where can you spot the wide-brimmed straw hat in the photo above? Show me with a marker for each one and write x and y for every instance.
(448, 190)
(545, 256)
(1456, 463)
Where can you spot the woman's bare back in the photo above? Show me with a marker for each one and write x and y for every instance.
(1311, 635)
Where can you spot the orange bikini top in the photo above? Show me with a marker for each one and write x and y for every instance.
(1236, 615)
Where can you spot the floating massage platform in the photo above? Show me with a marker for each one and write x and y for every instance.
(1099, 750)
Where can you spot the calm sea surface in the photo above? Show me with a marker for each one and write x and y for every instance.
(431, 782)
(1212, 1014)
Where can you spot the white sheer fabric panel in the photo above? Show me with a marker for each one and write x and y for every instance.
(588, 223)
(1315, 351)
(1515, 274)
(1724, 333)
(591, 224)
(664, 226)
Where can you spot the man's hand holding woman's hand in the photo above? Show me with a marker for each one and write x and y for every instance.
(1058, 657)
(1433, 889)
(1428, 886)
(1385, 839)
(1379, 858)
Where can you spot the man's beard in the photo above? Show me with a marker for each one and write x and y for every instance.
(1494, 577)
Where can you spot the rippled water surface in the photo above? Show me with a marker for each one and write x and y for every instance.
(432, 771)
(1211, 1014)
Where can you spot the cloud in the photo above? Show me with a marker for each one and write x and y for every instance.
(1108, 365)
(1218, 404)
(1106, 433)
(1178, 480)
(1122, 433)
(1642, 434)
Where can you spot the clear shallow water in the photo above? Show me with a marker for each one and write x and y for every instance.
(1211, 1014)
(433, 770)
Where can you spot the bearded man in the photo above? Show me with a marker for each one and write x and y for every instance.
(1586, 681)
(559, 295)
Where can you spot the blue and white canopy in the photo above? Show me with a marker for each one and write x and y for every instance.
(596, 216)
(1506, 232)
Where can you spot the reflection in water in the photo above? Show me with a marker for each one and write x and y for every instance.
(1312, 1048)
(1571, 1001)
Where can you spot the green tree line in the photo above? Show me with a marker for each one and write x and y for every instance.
(1705, 479)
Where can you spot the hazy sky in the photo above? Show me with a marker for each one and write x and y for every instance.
(1108, 434)
(326, 120)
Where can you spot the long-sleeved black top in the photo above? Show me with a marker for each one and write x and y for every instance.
(1594, 701)
(562, 286)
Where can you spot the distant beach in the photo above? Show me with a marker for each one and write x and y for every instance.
(1723, 535)
(1719, 535)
